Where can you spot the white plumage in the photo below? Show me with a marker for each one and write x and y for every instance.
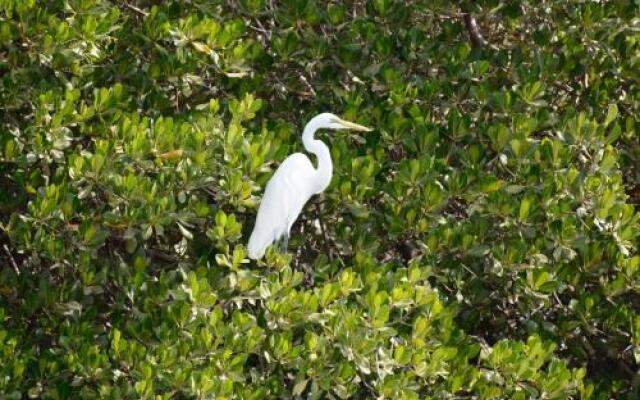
(278, 210)
(293, 183)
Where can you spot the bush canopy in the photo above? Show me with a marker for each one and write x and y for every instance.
(480, 243)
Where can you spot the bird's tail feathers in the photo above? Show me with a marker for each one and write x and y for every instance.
(257, 245)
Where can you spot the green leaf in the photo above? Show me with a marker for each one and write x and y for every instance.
(525, 206)
(612, 114)
(300, 386)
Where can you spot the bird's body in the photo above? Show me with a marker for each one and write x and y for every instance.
(284, 209)
(293, 184)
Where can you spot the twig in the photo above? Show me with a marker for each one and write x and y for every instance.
(474, 32)
(324, 234)
(136, 9)
(163, 256)
(13, 261)
(308, 85)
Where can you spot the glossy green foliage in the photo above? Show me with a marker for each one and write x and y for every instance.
(481, 242)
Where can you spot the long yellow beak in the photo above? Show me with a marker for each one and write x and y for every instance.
(354, 126)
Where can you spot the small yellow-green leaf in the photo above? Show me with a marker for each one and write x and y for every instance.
(612, 114)
(185, 232)
(299, 387)
(525, 206)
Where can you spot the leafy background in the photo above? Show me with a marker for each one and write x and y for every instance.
(480, 243)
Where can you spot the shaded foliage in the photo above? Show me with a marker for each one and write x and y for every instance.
(480, 243)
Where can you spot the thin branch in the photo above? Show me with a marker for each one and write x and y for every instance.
(324, 234)
(13, 261)
(474, 32)
(136, 9)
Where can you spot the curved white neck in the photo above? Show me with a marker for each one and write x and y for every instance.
(317, 147)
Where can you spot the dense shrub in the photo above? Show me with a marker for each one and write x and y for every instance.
(480, 243)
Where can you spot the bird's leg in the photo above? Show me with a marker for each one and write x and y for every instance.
(324, 234)
(285, 242)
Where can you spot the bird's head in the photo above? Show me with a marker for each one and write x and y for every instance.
(331, 121)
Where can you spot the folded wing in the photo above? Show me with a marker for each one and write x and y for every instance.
(288, 190)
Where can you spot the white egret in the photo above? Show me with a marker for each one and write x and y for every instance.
(293, 183)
